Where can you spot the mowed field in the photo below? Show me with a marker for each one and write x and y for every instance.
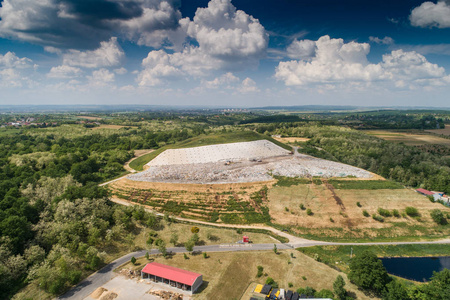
(336, 214)
(409, 138)
(228, 275)
(445, 131)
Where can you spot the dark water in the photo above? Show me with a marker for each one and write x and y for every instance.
(416, 268)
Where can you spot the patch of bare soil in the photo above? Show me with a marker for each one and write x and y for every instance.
(109, 296)
(166, 295)
(290, 140)
(98, 292)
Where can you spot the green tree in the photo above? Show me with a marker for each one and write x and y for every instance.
(174, 239)
(438, 216)
(162, 248)
(133, 260)
(195, 238)
(368, 272)
(275, 250)
(395, 290)
(338, 288)
(189, 245)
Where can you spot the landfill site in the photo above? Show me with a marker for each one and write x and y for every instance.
(237, 163)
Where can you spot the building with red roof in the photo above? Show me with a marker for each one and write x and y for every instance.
(179, 278)
(425, 192)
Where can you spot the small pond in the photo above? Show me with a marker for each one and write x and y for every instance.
(416, 268)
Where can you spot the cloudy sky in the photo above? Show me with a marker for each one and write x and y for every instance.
(225, 52)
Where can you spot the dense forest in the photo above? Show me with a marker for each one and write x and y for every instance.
(54, 219)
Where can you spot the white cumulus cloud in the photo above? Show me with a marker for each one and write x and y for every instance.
(337, 62)
(384, 41)
(64, 71)
(11, 60)
(224, 32)
(101, 77)
(301, 49)
(227, 39)
(109, 54)
(430, 14)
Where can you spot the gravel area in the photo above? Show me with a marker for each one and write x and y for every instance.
(248, 170)
(218, 153)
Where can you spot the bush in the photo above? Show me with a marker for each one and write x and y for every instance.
(133, 260)
(185, 256)
(195, 229)
(358, 204)
(270, 280)
(438, 217)
(302, 207)
(365, 213)
(412, 211)
(377, 218)
(396, 213)
(309, 212)
(260, 271)
(307, 291)
(290, 284)
(384, 212)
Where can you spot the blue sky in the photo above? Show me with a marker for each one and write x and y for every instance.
(225, 53)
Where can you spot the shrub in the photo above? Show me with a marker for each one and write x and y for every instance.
(438, 217)
(205, 256)
(195, 229)
(358, 204)
(304, 278)
(365, 213)
(185, 256)
(290, 284)
(260, 271)
(309, 212)
(302, 207)
(377, 218)
(331, 220)
(133, 260)
(396, 213)
(384, 212)
(286, 209)
(147, 256)
(412, 211)
(270, 280)
(307, 291)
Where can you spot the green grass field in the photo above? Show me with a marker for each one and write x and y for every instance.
(205, 140)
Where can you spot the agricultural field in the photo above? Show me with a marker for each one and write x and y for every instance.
(228, 275)
(444, 131)
(348, 210)
(411, 139)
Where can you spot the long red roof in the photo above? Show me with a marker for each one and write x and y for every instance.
(425, 192)
(171, 273)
